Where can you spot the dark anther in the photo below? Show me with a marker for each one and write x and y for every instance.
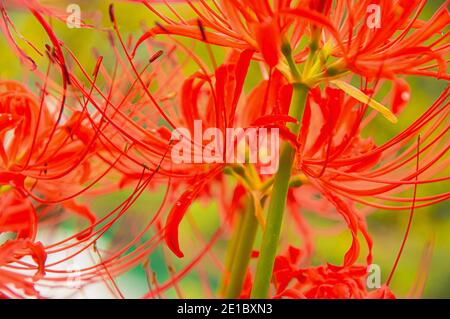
(202, 29)
(111, 13)
(156, 56)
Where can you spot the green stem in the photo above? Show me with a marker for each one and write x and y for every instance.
(231, 249)
(242, 252)
(277, 204)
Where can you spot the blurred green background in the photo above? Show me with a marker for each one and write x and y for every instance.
(387, 228)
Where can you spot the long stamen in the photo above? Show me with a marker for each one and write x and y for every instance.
(411, 215)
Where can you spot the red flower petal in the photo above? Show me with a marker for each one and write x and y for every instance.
(268, 38)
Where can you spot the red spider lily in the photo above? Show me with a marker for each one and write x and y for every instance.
(292, 281)
(211, 97)
(345, 168)
(355, 223)
(253, 25)
(190, 112)
(114, 132)
(400, 45)
(371, 52)
(341, 39)
(32, 170)
(68, 148)
(326, 281)
(378, 171)
(18, 217)
(134, 133)
(35, 160)
(329, 281)
(13, 284)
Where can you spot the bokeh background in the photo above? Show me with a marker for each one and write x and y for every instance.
(431, 226)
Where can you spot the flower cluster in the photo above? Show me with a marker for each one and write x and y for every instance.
(312, 70)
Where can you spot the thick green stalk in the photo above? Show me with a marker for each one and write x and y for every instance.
(231, 252)
(277, 204)
(242, 252)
